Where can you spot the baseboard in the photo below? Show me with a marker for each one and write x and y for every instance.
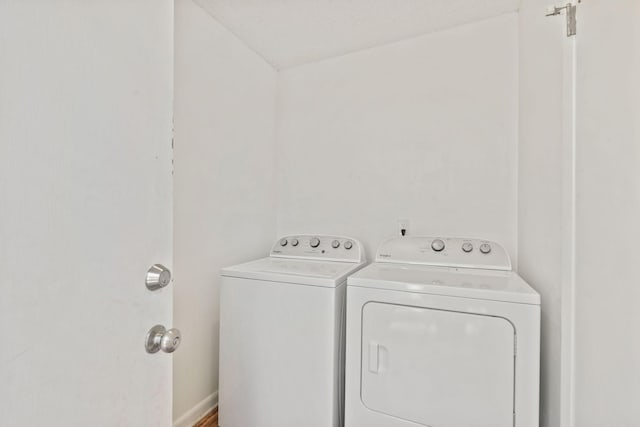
(193, 415)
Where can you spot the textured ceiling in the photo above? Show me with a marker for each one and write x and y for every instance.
(293, 32)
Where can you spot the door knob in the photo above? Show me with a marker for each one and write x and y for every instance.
(159, 338)
(158, 276)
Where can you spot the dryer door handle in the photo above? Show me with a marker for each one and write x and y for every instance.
(374, 357)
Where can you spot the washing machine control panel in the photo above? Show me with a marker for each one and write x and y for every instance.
(320, 247)
(446, 252)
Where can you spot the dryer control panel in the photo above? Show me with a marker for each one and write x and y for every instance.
(445, 252)
(319, 247)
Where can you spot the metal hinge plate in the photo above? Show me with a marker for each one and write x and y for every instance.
(571, 20)
(570, 10)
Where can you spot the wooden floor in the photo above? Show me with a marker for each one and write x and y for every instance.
(210, 420)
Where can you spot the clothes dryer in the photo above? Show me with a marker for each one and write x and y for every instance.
(441, 333)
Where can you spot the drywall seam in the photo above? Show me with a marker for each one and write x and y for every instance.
(516, 249)
(276, 149)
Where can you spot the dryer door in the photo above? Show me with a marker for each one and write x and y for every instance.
(438, 368)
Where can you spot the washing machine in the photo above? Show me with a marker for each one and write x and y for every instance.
(441, 332)
(282, 334)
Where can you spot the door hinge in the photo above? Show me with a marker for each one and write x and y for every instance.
(572, 26)
(570, 10)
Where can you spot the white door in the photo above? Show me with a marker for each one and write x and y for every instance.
(85, 210)
(437, 368)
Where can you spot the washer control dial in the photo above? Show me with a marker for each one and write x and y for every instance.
(348, 244)
(335, 244)
(314, 242)
(485, 248)
(283, 242)
(294, 242)
(437, 245)
(467, 247)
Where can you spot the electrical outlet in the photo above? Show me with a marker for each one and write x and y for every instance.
(403, 227)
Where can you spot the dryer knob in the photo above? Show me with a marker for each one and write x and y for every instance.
(437, 245)
(467, 247)
(485, 248)
(348, 244)
(335, 244)
(314, 242)
(283, 242)
(294, 242)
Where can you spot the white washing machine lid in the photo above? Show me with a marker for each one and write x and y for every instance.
(296, 271)
(493, 285)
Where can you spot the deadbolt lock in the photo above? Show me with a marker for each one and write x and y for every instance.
(158, 276)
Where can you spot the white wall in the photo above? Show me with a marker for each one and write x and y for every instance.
(597, 383)
(224, 186)
(424, 129)
(382, 134)
(607, 295)
(344, 125)
(541, 172)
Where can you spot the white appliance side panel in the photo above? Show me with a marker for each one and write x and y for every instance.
(278, 347)
(437, 368)
(339, 356)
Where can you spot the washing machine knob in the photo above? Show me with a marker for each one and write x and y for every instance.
(314, 242)
(294, 242)
(467, 247)
(485, 248)
(283, 242)
(437, 245)
(348, 244)
(335, 244)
